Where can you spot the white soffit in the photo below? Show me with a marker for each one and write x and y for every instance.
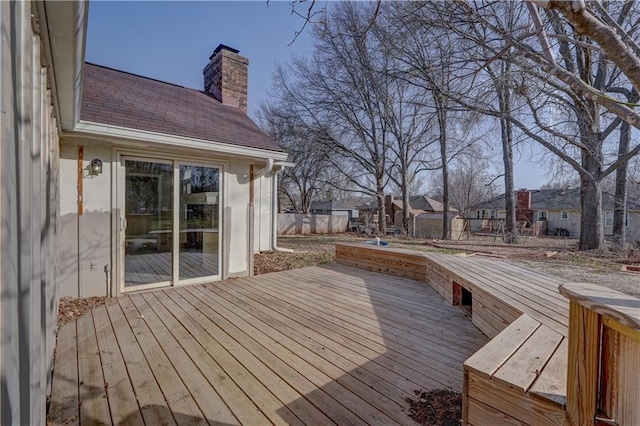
(67, 30)
(136, 138)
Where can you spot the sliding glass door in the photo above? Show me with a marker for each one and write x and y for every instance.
(199, 221)
(170, 226)
(148, 208)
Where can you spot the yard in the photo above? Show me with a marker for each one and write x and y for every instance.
(553, 256)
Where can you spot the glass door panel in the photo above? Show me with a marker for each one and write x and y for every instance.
(148, 207)
(199, 222)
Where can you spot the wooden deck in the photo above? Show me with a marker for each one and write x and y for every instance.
(504, 290)
(521, 375)
(147, 268)
(318, 345)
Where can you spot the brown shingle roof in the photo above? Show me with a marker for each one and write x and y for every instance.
(127, 100)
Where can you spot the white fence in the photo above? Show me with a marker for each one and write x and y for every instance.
(292, 224)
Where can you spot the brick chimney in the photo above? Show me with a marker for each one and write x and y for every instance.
(523, 206)
(388, 205)
(225, 77)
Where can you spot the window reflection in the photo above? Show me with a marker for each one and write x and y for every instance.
(199, 210)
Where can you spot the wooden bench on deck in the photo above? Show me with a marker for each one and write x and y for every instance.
(520, 375)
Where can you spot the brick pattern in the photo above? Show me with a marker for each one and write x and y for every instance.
(226, 77)
(121, 99)
(523, 206)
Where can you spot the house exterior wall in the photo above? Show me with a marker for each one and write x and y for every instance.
(93, 236)
(263, 208)
(85, 238)
(28, 219)
(429, 225)
(571, 223)
(632, 230)
(555, 221)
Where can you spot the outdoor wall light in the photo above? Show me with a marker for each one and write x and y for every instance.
(96, 167)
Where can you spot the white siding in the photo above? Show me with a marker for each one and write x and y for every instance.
(98, 225)
(555, 221)
(29, 220)
(263, 213)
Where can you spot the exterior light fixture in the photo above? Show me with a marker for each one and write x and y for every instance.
(96, 167)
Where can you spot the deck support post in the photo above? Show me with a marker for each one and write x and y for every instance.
(582, 374)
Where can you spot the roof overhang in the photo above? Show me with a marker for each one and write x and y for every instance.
(146, 139)
(63, 26)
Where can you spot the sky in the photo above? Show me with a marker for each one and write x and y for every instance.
(172, 42)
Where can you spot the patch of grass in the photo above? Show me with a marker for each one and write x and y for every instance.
(281, 261)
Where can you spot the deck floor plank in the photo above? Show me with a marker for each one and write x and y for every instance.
(388, 307)
(306, 384)
(439, 368)
(214, 362)
(295, 354)
(148, 393)
(322, 345)
(94, 409)
(259, 371)
(64, 407)
(353, 320)
(345, 357)
(122, 399)
(423, 331)
(203, 393)
(173, 388)
(404, 367)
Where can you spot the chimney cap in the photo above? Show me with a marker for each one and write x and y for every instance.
(221, 47)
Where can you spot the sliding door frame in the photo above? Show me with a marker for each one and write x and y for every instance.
(119, 220)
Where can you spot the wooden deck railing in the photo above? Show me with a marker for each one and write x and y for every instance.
(603, 379)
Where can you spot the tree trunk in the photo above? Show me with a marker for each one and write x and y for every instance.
(507, 159)
(382, 223)
(441, 104)
(591, 226)
(620, 200)
(405, 206)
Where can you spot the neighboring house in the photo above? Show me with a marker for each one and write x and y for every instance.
(425, 215)
(113, 182)
(334, 208)
(559, 208)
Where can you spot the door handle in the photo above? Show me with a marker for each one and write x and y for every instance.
(123, 223)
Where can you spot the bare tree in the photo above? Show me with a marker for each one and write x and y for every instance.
(313, 173)
(470, 181)
(580, 140)
(575, 54)
(427, 53)
(341, 93)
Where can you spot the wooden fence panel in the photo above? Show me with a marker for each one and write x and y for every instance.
(299, 224)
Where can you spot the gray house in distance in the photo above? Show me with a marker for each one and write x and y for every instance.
(560, 208)
(334, 208)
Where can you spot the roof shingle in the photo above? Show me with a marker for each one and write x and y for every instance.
(127, 100)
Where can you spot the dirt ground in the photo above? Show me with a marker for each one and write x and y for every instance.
(602, 268)
(437, 407)
(71, 308)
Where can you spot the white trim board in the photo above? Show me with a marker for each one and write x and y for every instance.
(147, 139)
